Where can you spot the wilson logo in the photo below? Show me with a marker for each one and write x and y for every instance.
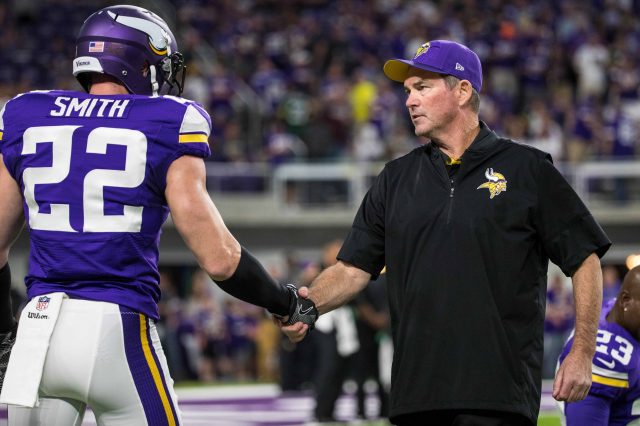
(37, 315)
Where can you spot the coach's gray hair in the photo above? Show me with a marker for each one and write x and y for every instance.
(451, 82)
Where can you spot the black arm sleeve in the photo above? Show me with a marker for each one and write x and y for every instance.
(251, 283)
(6, 312)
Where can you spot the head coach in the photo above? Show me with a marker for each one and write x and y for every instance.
(466, 225)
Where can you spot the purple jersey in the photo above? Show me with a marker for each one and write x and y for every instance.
(614, 396)
(92, 170)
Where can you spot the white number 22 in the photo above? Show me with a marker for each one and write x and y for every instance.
(94, 182)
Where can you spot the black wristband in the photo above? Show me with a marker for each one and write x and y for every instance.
(6, 312)
(251, 283)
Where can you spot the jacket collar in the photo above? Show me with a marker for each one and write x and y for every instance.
(484, 142)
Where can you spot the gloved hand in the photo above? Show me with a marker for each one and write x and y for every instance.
(300, 309)
(7, 339)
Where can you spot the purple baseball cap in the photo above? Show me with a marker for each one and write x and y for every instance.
(442, 57)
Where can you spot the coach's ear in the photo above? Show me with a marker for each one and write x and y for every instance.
(465, 90)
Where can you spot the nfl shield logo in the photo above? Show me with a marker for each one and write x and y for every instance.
(43, 303)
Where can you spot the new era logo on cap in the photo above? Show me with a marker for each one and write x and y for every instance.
(442, 57)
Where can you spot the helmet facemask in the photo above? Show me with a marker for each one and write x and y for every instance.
(174, 70)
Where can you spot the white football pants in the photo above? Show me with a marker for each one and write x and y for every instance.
(109, 358)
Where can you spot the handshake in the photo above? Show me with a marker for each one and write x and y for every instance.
(300, 309)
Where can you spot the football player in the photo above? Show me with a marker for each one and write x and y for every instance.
(94, 176)
(615, 388)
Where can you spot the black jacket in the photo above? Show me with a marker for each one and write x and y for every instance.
(467, 270)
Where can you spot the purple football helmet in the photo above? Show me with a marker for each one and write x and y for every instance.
(131, 44)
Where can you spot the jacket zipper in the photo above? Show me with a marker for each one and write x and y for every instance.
(451, 191)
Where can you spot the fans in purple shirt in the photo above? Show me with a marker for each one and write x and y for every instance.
(615, 389)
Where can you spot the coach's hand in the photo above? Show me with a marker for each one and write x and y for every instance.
(7, 339)
(302, 315)
(573, 378)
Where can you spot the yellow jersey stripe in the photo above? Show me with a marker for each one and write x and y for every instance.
(1, 134)
(154, 371)
(193, 137)
(616, 383)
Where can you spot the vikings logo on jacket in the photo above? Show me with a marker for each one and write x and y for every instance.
(497, 183)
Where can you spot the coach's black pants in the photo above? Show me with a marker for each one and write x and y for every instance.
(461, 418)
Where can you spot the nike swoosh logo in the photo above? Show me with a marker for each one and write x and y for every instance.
(609, 364)
(306, 311)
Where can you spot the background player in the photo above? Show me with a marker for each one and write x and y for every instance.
(616, 365)
(97, 174)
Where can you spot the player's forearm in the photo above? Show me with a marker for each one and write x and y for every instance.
(587, 291)
(336, 285)
(251, 282)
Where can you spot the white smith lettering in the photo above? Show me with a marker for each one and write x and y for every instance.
(91, 107)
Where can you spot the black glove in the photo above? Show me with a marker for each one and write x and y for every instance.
(300, 309)
(7, 339)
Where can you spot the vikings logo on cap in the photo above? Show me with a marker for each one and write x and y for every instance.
(421, 50)
(497, 183)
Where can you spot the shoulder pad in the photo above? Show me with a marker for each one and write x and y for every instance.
(196, 125)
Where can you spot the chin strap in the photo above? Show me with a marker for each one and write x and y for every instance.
(154, 82)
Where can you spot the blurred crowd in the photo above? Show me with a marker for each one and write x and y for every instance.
(302, 80)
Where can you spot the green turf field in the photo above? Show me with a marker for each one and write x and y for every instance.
(549, 419)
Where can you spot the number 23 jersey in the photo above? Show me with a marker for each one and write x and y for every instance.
(615, 388)
(92, 171)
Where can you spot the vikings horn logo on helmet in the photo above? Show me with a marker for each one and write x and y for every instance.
(159, 40)
(497, 183)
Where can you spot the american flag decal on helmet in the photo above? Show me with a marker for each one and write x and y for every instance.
(96, 46)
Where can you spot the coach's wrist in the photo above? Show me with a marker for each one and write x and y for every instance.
(583, 350)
